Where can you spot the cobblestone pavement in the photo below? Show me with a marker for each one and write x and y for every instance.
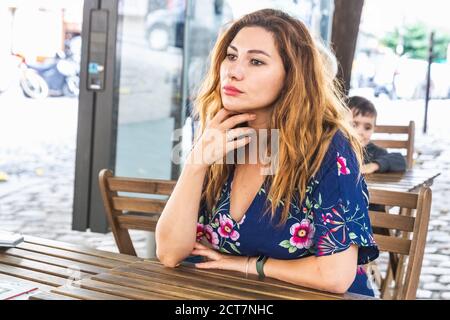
(37, 198)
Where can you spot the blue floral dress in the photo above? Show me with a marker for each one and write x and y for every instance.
(333, 216)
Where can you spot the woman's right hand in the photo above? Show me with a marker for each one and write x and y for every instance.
(218, 137)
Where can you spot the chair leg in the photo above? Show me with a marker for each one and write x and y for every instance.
(402, 260)
(386, 285)
(399, 280)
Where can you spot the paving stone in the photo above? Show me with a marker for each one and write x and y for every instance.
(108, 248)
(435, 286)
(436, 270)
(12, 226)
(437, 257)
(427, 278)
(430, 249)
(71, 238)
(445, 264)
(439, 245)
(443, 279)
(32, 215)
(424, 294)
(438, 223)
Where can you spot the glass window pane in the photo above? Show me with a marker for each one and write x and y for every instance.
(150, 55)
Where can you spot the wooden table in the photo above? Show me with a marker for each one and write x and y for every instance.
(50, 264)
(409, 181)
(106, 275)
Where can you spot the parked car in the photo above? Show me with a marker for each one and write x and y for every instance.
(165, 27)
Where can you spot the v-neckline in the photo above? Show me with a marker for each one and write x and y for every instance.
(230, 182)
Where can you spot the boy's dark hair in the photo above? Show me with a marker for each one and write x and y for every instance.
(361, 106)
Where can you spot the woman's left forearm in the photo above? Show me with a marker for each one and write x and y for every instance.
(313, 272)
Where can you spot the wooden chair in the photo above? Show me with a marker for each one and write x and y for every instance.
(406, 241)
(132, 211)
(407, 144)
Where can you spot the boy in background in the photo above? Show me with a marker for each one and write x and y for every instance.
(376, 159)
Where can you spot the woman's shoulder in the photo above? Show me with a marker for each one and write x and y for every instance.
(339, 150)
(340, 141)
(339, 145)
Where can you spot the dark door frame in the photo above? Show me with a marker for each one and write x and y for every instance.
(97, 125)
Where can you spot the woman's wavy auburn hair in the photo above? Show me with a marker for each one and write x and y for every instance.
(307, 113)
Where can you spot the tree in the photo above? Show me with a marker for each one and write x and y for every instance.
(346, 19)
(412, 41)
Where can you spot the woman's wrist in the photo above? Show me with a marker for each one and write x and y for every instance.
(195, 164)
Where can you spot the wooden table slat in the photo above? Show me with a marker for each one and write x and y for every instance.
(187, 281)
(82, 249)
(402, 183)
(408, 181)
(227, 281)
(85, 294)
(214, 286)
(80, 257)
(51, 296)
(159, 287)
(389, 187)
(415, 172)
(38, 266)
(60, 262)
(31, 275)
(41, 286)
(130, 293)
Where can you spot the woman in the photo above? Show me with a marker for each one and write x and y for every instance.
(308, 223)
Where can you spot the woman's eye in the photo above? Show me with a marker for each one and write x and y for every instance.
(256, 62)
(231, 56)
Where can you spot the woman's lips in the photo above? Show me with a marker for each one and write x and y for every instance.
(231, 91)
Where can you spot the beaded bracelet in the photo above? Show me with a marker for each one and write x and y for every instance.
(246, 267)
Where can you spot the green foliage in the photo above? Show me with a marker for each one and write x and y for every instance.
(416, 41)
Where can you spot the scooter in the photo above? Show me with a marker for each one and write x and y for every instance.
(58, 76)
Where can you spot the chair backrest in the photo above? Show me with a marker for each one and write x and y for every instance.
(406, 237)
(407, 144)
(132, 211)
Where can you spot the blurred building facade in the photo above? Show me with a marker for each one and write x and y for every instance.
(38, 29)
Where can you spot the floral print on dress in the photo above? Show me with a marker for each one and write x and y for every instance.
(302, 236)
(342, 165)
(211, 236)
(222, 232)
(200, 231)
(226, 228)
